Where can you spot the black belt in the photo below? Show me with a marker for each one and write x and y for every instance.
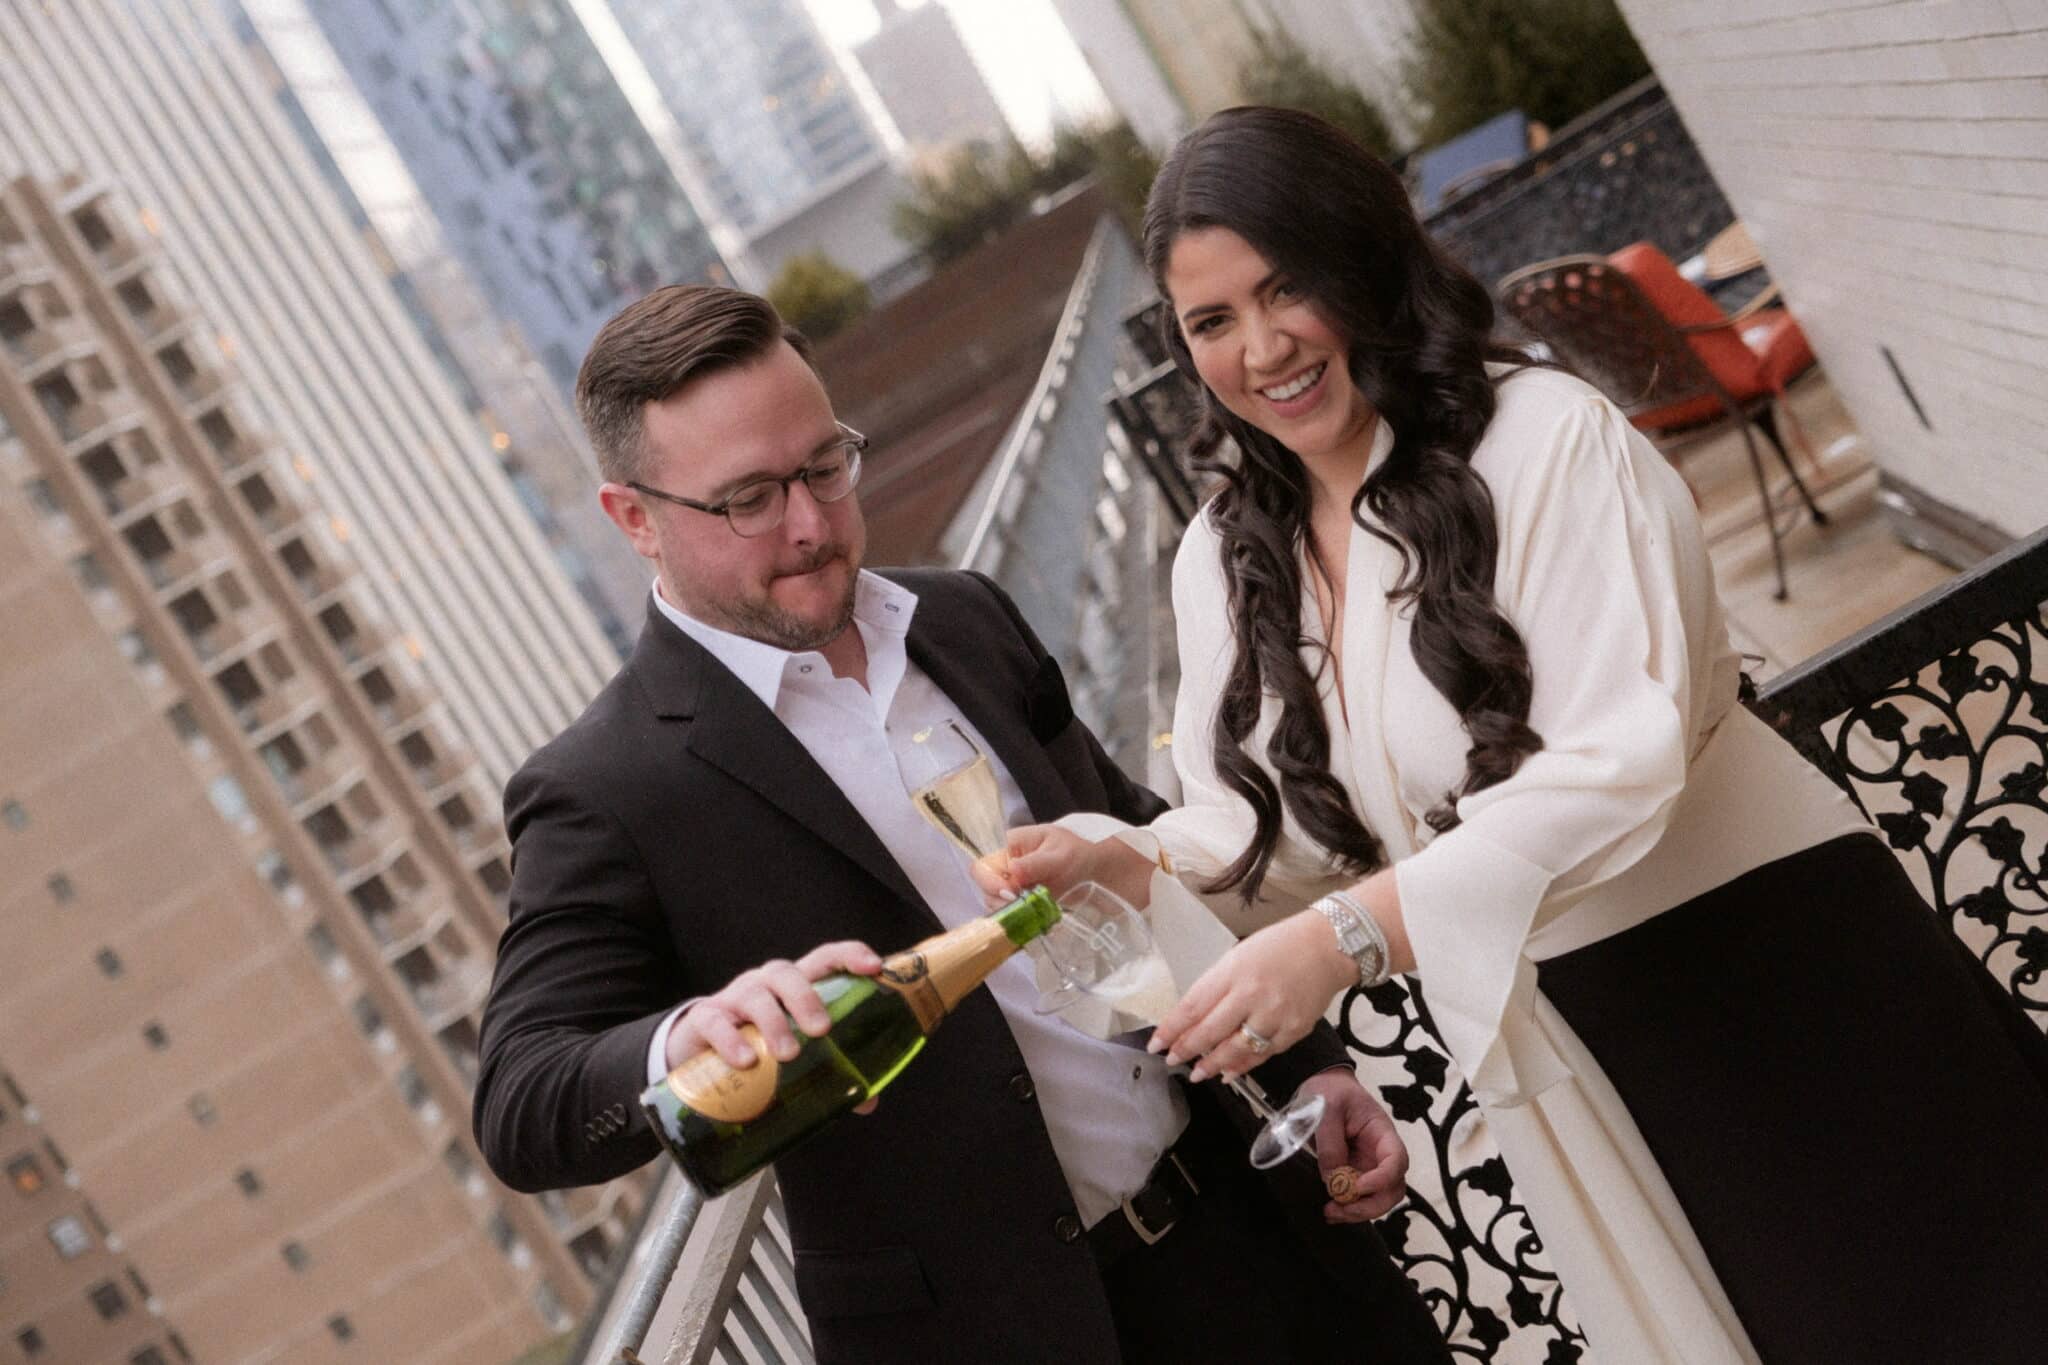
(1168, 1196)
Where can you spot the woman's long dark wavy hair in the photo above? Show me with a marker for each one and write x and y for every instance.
(1336, 221)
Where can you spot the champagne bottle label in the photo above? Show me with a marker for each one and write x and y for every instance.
(707, 1084)
(909, 975)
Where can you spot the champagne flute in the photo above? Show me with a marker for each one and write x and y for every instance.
(1104, 948)
(957, 794)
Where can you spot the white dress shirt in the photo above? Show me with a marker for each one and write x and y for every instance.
(1110, 1109)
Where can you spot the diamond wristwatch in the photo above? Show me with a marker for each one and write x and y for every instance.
(1359, 936)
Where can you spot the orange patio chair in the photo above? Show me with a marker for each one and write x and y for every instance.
(1661, 349)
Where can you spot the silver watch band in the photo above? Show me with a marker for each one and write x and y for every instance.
(1359, 937)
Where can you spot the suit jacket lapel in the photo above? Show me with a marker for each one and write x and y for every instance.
(732, 731)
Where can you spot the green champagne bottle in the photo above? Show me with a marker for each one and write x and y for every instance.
(722, 1123)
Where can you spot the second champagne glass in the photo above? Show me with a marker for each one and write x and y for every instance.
(1104, 948)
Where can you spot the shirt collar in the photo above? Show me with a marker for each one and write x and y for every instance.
(881, 611)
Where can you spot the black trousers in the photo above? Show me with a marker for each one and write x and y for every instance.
(1853, 1114)
(1239, 1281)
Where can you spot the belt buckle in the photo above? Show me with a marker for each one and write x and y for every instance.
(1137, 1221)
(1145, 1233)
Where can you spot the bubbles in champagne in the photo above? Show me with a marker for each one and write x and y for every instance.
(1142, 988)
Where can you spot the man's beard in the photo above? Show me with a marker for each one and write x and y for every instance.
(771, 625)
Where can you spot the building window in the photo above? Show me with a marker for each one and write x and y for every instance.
(550, 1305)
(69, 1236)
(296, 1256)
(320, 941)
(43, 500)
(30, 1341)
(153, 1034)
(342, 1328)
(233, 804)
(184, 723)
(61, 889)
(369, 1018)
(251, 1183)
(110, 962)
(14, 814)
(203, 1112)
(25, 1173)
(107, 1299)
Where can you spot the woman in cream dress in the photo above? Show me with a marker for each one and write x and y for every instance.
(1450, 644)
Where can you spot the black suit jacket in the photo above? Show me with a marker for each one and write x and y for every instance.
(677, 835)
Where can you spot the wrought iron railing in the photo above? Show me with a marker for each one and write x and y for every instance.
(1627, 171)
(1935, 720)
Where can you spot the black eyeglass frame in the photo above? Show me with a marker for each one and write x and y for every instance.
(851, 441)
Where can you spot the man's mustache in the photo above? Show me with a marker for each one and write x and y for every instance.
(814, 562)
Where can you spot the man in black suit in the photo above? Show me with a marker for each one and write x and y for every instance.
(732, 800)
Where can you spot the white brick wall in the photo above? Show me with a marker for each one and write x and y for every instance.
(1891, 159)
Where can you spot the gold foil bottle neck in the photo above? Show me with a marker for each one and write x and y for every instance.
(909, 975)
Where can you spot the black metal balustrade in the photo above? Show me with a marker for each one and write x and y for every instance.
(1935, 720)
(1627, 171)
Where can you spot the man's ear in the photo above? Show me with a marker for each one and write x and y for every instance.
(629, 514)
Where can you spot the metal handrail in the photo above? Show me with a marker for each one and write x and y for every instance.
(660, 1256)
(1035, 414)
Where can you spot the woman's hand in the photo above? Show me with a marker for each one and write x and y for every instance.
(1057, 859)
(1278, 982)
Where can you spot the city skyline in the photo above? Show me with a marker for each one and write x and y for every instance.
(1023, 50)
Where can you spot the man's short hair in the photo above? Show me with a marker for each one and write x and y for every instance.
(654, 347)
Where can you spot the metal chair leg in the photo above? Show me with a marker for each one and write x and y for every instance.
(1796, 429)
(1766, 419)
(1763, 491)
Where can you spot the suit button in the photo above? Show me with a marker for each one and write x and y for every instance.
(1021, 1088)
(1067, 1228)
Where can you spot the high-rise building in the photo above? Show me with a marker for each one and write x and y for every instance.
(920, 68)
(1167, 64)
(769, 117)
(540, 172)
(162, 102)
(456, 283)
(1119, 54)
(254, 876)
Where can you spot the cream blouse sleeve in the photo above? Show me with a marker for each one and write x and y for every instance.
(1599, 564)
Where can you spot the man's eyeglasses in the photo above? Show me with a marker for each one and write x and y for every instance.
(756, 508)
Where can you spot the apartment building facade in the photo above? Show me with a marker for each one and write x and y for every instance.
(163, 103)
(255, 875)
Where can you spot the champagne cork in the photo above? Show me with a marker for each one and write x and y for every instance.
(1346, 1183)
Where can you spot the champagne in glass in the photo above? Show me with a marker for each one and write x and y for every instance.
(1103, 948)
(957, 792)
